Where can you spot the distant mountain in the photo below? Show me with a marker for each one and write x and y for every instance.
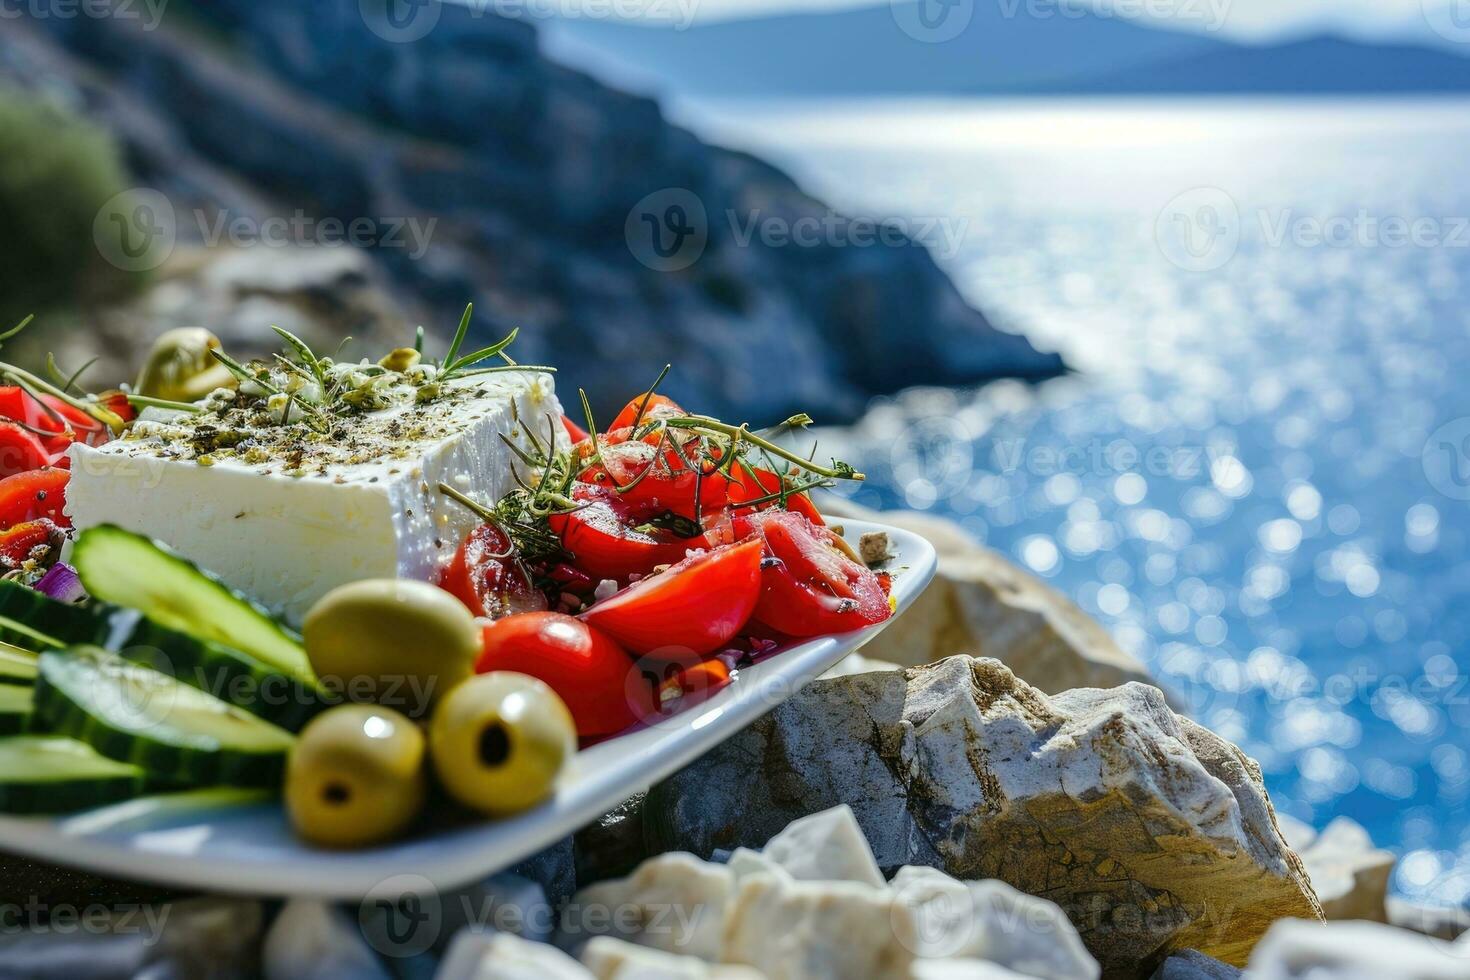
(864, 51)
(1001, 51)
(1325, 65)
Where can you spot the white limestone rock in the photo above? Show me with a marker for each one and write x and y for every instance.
(503, 902)
(1296, 950)
(990, 920)
(802, 930)
(826, 846)
(745, 862)
(674, 902)
(312, 940)
(960, 970)
(481, 955)
(1150, 832)
(613, 959)
(1349, 873)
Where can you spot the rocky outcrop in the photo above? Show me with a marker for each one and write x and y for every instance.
(530, 185)
(1152, 833)
(1191, 964)
(980, 603)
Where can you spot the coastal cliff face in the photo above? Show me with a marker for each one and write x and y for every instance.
(526, 187)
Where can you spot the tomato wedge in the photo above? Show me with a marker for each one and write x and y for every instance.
(20, 450)
(584, 666)
(17, 543)
(608, 539)
(574, 431)
(689, 611)
(812, 588)
(667, 483)
(745, 487)
(488, 578)
(39, 493)
(658, 407)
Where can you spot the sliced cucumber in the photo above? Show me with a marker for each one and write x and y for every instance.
(29, 619)
(224, 672)
(172, 731)
(15, 709)
(48, 774)
(130, 570)
(17, 666)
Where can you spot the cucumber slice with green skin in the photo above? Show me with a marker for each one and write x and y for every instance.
(17, 666)
(224, 672)
(15, 709)
(49, 774)
(28, 618)
(130, 570)
(172, 731)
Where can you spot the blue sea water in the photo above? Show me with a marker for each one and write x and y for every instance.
(1258, 478)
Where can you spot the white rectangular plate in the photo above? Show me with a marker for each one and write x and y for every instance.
(212, 842)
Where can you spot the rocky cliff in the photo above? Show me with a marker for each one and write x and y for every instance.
(486, 172)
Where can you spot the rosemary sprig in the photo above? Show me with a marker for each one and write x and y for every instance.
(741, 433)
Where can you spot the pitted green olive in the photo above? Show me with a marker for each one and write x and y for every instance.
(355, 776)
(394, 642)
(180, 368)
(499, 740)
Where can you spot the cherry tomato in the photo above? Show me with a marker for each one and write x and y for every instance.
(606, 537)
(34, 495)
(488, 578)
(17, 543)
(21, 451)
(811, 588)
(584, 666)
(667, 483)
(689, 611)
(745, 487)
(658, 407)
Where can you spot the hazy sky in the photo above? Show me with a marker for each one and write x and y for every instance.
(1246, 17)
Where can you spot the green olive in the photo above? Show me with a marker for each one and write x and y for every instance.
(355, 776)
(180, 367)
(499, 740)
(391, 641)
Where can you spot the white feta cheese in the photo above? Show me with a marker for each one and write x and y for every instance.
(285, 527)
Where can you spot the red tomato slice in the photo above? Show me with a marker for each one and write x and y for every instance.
(40, 493)
(21, 451)
(812, 588)
(17, 543)
(584, 666)
(691, 610)
(667, 483)
(604, 542)
(574, 431)
(745, 487)
(488, 578)
(658, 407)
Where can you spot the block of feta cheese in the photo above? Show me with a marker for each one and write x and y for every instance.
(285, 512)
